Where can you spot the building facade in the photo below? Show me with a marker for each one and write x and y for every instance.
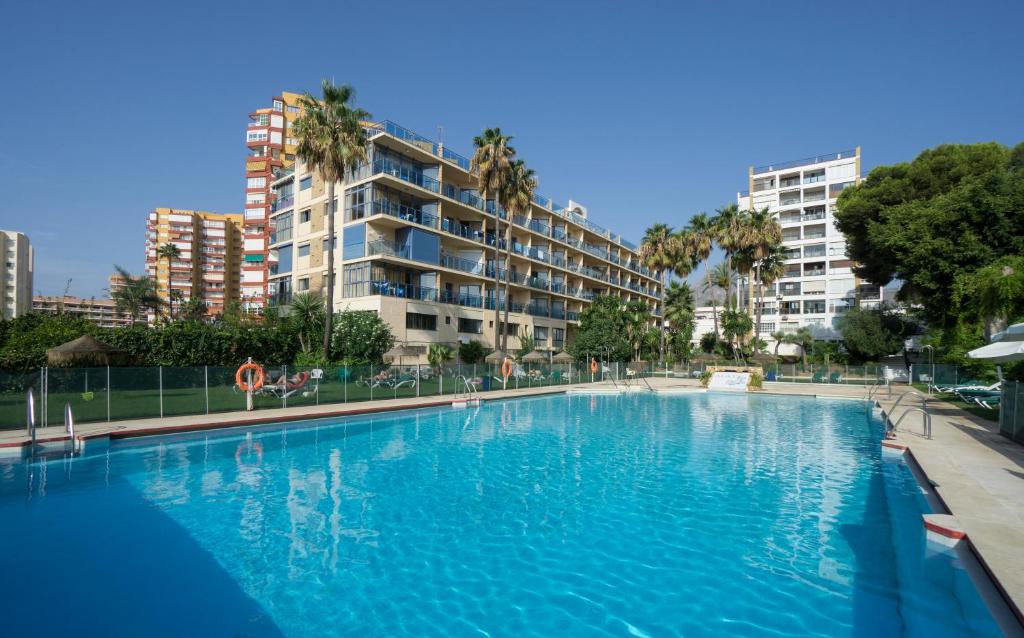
(102, 312)
(271, 144)
(414, 243)
(210, 247)
(17, 280)
(818, 284)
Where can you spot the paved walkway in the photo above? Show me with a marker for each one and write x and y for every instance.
(979, 475)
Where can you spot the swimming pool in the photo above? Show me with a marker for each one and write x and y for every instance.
(632, 515)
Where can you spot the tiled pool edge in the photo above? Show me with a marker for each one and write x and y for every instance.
(953, 531)
(20, 445)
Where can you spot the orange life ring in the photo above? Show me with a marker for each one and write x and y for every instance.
(257, 381)
(506, 368)
(593, 366)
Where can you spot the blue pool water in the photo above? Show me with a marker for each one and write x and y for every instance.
(633, 515)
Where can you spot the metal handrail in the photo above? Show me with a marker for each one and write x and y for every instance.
(69, 421)
(926, 420)
(471, 391)
(30, 416)
(875, 387)
(924, 401)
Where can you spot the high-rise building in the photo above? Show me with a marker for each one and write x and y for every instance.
(271, 149)
(210, 248)
(414, 243)
(102, 312)
(818, 284)
(16, 283)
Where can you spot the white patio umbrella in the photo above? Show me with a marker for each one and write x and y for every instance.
(1006, 346)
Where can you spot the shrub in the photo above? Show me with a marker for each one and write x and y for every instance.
(705, 378)
(756, 381)
(472, 352)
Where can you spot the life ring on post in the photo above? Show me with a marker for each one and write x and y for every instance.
(593, 366)
(506, 369)
(257, 381)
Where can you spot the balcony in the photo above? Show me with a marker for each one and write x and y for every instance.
(402, 172)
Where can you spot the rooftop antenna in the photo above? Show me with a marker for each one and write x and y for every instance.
(440, 134)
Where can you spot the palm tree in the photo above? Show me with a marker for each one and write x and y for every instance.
(719, 277)
(637, 316)
(168, 252)
(780, 338)
(803, 338)
(438, 354)
(306, 312)
(770, 270)
(331, 142)
(679, 304)
(176, 296)
(135, 295)
(658, 251)
(702, 232)
(725, 222)
(516, 198)
(492, 163)
(763, 235)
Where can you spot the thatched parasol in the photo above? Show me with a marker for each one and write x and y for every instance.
(537, 357)
(706, 357)
(496, 357)
(563, 357)
(764, 358)
(401, 351)
(84, 350)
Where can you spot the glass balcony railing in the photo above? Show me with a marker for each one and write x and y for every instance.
(403, 212)
(404, 173)
(818, 159)
(387, 248)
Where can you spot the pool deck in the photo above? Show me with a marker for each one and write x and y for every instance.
(976, 473)
(979, 476)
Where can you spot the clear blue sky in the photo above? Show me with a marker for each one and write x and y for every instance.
(641, 111)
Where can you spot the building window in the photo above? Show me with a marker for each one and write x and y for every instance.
(304, 216)
(306, 183)
(304, 250)
(278, 105)
(540, 335)
(290, 157)
(417, 321)
(303, 283)
(292, 109)
(557, 337)
(471, 326)
(256, 182)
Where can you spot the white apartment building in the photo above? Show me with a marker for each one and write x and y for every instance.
(16, 282)
(818, 285)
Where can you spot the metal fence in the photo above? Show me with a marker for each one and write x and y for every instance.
(119, 393)
(1011, 411)
(791, 372)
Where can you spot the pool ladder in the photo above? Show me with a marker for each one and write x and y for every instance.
(926, 417)
(472, 397)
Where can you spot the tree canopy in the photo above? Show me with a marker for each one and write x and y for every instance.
(870, 334)
(934, 222)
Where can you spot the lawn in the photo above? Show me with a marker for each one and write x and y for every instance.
(190, 396)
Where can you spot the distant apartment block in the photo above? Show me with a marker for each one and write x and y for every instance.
(818, 285)
(210, 247)
(271, 144)
(102, 312)
(415, 241)
(18, 267)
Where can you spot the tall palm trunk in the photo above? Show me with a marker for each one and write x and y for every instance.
(760, 310)
(498, 328)
(714, 306)
(661, 318)
(329, 315)
(508, 270)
